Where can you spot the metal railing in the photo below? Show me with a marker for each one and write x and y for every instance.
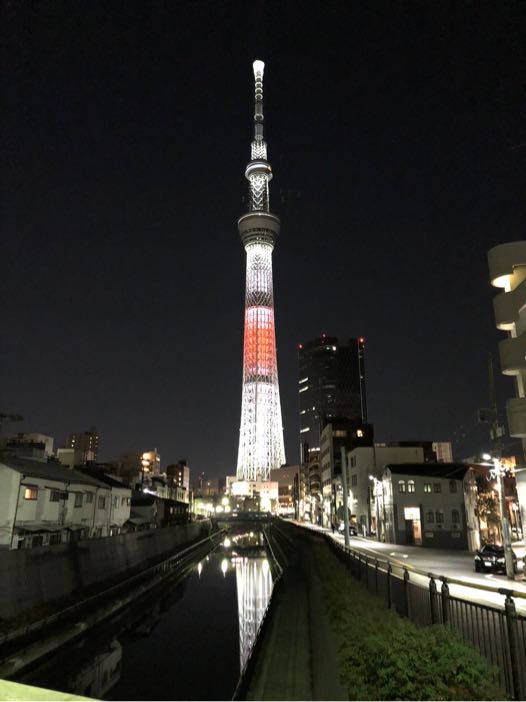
(498, 634)
(162, 569)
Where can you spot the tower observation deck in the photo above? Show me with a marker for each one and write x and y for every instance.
(261, 433)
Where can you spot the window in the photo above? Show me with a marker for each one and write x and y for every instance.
(437, 487)
(353, 461)
(410, 486)
(427, 487)
(359, 433)
(123, 501)
(55, 539)
(128, 500)
(54, 496)
(78, 499)
(455, 516)
(401, 486)
(354, 479)
(452, 486)
(38, 540)
(440, 516)
(31, 493)
(430, 517)
(89, 498)
(115, 501)
(102, 502)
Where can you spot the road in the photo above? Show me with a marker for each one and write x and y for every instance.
(457, 565)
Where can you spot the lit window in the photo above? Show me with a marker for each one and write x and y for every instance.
(359, 432)
(410, 486)
(401, 486)
(306, 387)
(302, 431)
(31, 493)
(303, 380)
(427, 487)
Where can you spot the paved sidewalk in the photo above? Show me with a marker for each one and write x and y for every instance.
(298, 657)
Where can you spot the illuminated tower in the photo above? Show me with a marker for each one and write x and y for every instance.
(261, 433)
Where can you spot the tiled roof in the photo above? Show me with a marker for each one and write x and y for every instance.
(51, 471)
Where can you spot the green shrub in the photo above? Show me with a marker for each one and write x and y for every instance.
(385, 657)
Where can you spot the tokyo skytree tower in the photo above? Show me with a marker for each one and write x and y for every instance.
(261, 434)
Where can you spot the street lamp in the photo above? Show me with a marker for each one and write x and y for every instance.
(498, 471)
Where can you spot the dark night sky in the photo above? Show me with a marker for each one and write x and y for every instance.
(397, 138)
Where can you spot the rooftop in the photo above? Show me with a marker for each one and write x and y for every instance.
(51, 471)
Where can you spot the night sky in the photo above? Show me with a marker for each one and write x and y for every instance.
(396, 132)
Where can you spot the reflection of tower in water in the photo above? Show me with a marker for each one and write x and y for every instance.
(254, 586)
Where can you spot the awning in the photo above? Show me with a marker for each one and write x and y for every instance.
(39, 527)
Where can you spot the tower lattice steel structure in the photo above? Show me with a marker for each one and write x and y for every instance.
(261, 434)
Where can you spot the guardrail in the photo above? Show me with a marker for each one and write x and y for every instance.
(498, 634)
(162, 568)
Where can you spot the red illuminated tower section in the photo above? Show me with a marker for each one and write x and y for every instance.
(261, 433)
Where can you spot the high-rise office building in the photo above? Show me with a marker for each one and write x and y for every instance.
(85, 443)
(261, 445)
(331, 386)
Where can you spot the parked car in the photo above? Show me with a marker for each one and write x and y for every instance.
(491, 558)
(353, 531)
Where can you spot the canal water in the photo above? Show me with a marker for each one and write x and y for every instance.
(187, 642)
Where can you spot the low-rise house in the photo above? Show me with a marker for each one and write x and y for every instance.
(429, 504)
(120, 500)
(44, 503)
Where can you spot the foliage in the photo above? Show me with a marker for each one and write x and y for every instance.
(385, 657)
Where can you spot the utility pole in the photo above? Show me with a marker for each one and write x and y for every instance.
(345, 496)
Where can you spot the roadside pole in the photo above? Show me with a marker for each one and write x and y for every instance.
(345, 497)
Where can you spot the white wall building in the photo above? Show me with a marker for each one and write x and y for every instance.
(47, 503)
(365, 464)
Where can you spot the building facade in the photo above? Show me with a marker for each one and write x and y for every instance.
(429, 505)
(261, 446)
(331, 385)
(43, 503)
(86, 443)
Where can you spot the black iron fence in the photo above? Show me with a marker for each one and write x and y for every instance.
(499, 633)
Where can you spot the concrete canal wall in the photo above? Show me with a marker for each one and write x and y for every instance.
(31, 577)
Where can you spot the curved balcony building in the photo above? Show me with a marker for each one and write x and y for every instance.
(507, 269)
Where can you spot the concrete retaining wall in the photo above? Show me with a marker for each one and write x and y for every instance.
(30, 577)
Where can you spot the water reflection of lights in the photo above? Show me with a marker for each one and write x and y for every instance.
(254, 586)
(224, 566)
(199, 568)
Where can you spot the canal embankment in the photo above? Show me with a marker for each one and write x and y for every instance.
(78, 612)
(33, 581)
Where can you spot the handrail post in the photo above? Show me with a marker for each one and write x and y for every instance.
(511, 625)
(444, 592)
(389, 571)
(406, 591)
(433, 599)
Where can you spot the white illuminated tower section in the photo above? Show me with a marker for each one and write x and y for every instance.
(261, 434)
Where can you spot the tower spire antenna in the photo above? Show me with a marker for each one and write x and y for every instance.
(259, 68)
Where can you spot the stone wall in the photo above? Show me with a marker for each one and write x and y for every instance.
(31, 577)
